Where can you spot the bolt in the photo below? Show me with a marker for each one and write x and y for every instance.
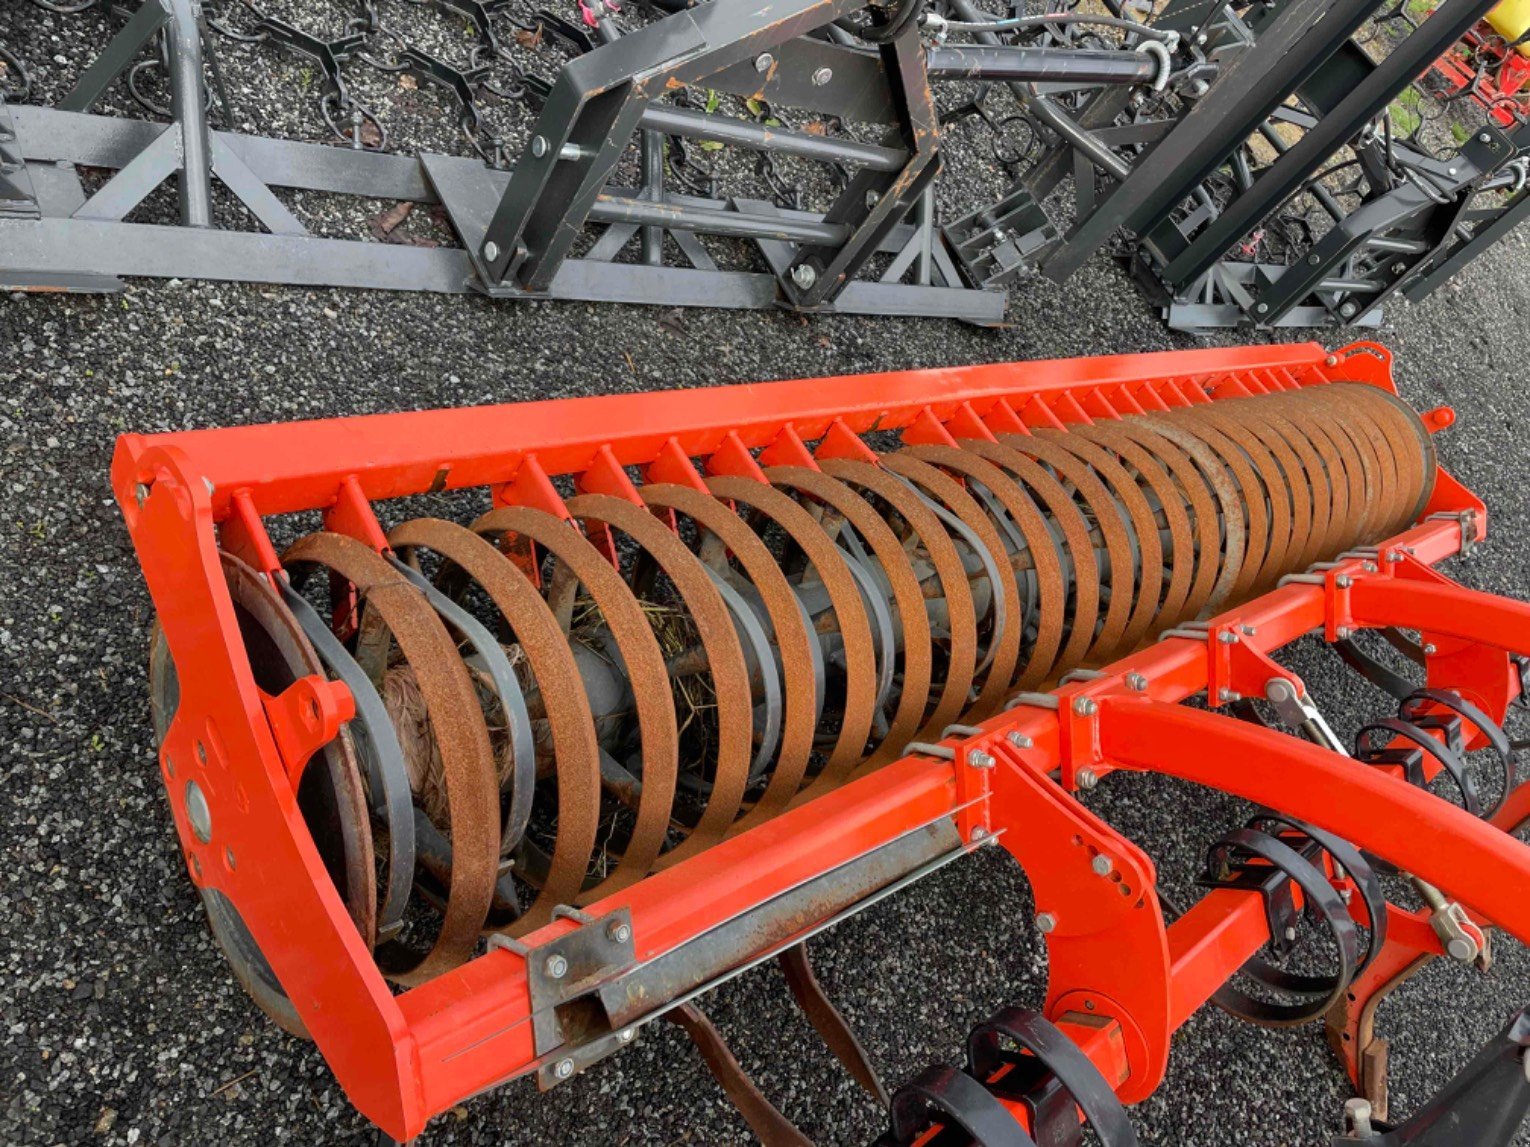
(1343, 581)
(1263, 308)
(1046, 922)
(1290, 933)
(1248, 630)
(490, 251)
(1019, 740)
(804, 275)
(1136, 682)
(556, 967)
(872, 199)
(1089, 1005)
(626, 1035)
(1331, 360)
(1086, 778)
(1357, 1115)
(619, 931)
(1348, 310)
(822, 76)
(1342, 633)
(1429, 649)
(1393, 557)
(1450, 171)
(197, 812)
(1084, 707)
(539, 146)
(764, 62)
(1227, 637)
(1399, 267)
(1227, 696)
(1101, 865)
(1201, 39)
(564, 1069)
(1370, 567)
(140, 494)
(978, 834)
(1314, 259)
(1485, 137)
(979, 759)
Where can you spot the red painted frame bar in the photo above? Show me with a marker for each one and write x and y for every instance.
(403, 1059)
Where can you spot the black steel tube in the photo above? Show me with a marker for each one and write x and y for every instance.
(1001, 63)
(674, 217)
(742, 133)
(1370, 97)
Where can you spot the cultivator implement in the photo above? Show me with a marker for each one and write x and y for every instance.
(636, 692)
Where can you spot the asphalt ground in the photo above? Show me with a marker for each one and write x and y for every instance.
(119, 1021)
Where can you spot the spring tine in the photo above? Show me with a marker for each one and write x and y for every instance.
(772, 1128)
(828, 1021)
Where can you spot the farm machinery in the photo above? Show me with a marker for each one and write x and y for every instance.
(493, 736)
(1248, 161)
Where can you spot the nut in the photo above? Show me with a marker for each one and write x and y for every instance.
(1102, 865)
(1046, 922)
(619, 931)
(1019, 740)
(1086, 778)
(556, 968)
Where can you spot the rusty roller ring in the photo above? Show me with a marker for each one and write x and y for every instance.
(1147, 569)
(1400, 468)
(1227, 526)
(1319, 489)
(1354, 416)
(850, 615)
(1068, 470)
(1255, 510)
(1084, 637)
(907, 594)
(576, 750)
(724, 656)
(1359, 445)
(578, 561)
(1410, 441)
(456, 722)
(1429, 458)
(1052, 587)
(1347, 476)
(961, 615)
(1205, 556)
(1178, 560)
(800, 705)
(1003, 653)
(1289, 528)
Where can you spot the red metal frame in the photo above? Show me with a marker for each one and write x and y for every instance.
(403, 1059)
(1504, 92)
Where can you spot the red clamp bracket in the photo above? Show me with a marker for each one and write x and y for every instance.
(304, 717)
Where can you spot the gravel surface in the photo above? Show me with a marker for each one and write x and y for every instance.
(120, 1021)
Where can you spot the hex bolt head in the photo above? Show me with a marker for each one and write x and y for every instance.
(1136, 682)
(1046, 922)
(1085, 707)
(1429, 649)
(1348, 310)
(804, 275)
(1370, 567)
(619, 931)
(490, 251)
(822, 76)
(1227, 696)
(980, 760)
(1486, 137)
(1086, 778)
(556, 968)
(764, 62)
(564, 1069)
(1102, 865)
(1343, 581)
(978, 834)
(1331, 360)
(1019, 740)
(1342, 633)
(539, 146)
(1227, 637)
(1248, 630)
(1313, 260)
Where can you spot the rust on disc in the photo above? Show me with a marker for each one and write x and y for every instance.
(725, 661)
(396, 611)
(575, 748)
(1004, 646)
(644, 661)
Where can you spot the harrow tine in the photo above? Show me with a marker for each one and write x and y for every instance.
(773, 1128)
(829, 1021)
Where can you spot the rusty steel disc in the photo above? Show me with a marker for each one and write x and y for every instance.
(724, 657)
(396, 611)
(575, 749)
(580, 563)
(1003, 653)
(800, 714)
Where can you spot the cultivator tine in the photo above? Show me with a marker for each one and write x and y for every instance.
(773, 1128)
(826, 1019)
(711, 674)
